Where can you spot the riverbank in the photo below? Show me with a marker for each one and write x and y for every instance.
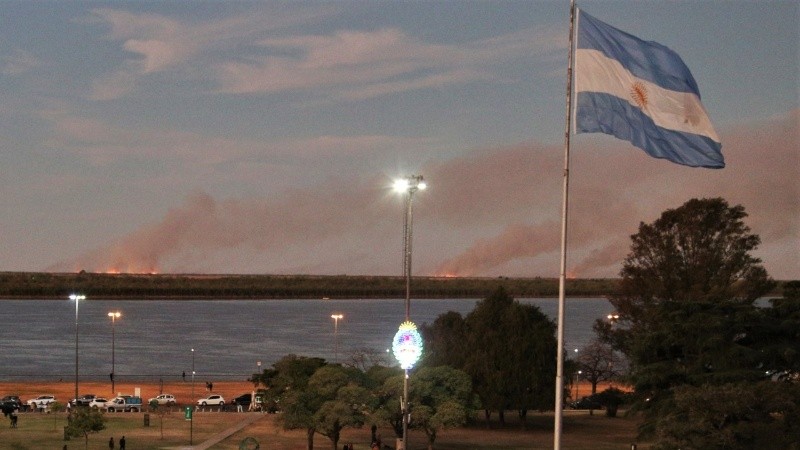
(44, 285)
(182, 390)
(64, 391)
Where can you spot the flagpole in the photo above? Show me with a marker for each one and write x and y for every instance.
(562, 278)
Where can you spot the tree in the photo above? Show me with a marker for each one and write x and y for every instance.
(598, 362)
(343, 401)
(286, 385)
(732, 416)
(687, 306)
(155, 407)
(290, 372)
(445, 341)
(442, 398)
(85, 421)
(56, 408)
(508, 349)
(324, 401)
(364, 358)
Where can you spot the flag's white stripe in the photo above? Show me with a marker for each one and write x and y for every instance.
(672, 110)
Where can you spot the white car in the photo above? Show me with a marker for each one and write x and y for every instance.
(211, 400)
(164, 399)
(98, 402)
(41, 401)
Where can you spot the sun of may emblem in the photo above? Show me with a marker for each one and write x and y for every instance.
(639, 94)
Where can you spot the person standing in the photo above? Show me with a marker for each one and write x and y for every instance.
(111, 443)
(122, 443)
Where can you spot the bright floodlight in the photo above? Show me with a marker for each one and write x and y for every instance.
(409, 184)
(77, 297)
(401, 185)
(115, 315)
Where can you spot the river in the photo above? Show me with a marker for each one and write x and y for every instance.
(154, 338)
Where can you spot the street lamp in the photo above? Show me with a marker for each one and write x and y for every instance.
(336, 318)
(191, 418)
(77, 298)
(408, 185)
(405, 343)
(114, 316)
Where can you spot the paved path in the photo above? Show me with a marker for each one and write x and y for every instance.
(219, 437)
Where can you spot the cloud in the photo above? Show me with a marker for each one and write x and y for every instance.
(159, 43)
(257, 53)
(355, 65)
(493, 212)
(19, 62)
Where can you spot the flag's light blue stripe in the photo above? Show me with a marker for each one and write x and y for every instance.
(599, 112)
(647, 60)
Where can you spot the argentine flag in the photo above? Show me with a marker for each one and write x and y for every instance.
(641, 92)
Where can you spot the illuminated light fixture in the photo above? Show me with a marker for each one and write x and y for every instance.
(407, 345)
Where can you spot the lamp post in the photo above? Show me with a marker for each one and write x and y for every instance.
(77, 298)
(114, 316)
(408, 186)
(336, 318)
(191, 418)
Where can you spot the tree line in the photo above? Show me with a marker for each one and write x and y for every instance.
(43, 285)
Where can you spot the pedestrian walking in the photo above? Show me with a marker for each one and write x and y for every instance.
(122, 443)
(111, 443)
(183, 375)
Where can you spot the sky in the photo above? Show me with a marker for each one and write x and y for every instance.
(263, 137)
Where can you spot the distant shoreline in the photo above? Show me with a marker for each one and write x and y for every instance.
(57, 286)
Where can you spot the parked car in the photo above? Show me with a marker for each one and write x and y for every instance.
(41, 401)
(214, 399)
(99, 402)
(83, 400)
(164, 399)
(244, 400)
(125, 403)
(589, 402)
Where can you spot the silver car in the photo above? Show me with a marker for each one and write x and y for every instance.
(41, 401)
(164, 399)
(211, 400)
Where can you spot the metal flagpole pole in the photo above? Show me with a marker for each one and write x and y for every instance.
(559, 407)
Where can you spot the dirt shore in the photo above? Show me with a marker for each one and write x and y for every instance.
(65, 390)
(182, 390)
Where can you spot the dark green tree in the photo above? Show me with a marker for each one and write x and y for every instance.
(288, 373)
(286, 386)
(342, 401)
(508, 349)
(85, 421)
(445, 341)
(687, 307)
(441, 398)
(732, 416)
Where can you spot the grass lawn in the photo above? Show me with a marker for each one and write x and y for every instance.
(581, 431)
